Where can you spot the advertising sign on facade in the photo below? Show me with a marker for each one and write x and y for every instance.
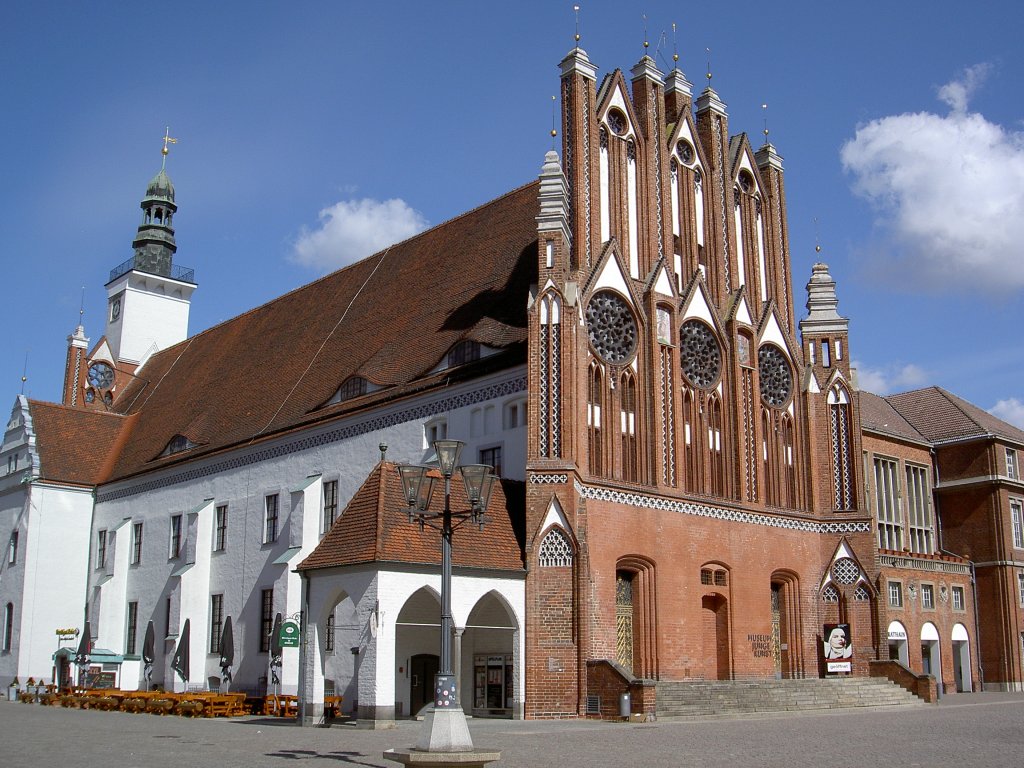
(838, 648)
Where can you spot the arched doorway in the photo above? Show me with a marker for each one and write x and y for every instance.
(898, 648)
(931, 658)
(636, 646)
(716, 640)
(962, 659)
(489, 662)
(417, 639)
(340, 634)
(785, 628)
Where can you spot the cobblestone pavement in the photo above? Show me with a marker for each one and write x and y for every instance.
(979, 730)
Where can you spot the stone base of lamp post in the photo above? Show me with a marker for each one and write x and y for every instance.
(445, 730)
(414, 758)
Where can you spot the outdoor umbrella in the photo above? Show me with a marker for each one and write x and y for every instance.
(275, 650)
(179, 662)
(149, 652)
(227, 650)
(84, 649)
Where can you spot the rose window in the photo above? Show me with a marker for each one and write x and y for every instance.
(845, 571)
(611, 327)
(776, 377)
(699, 354)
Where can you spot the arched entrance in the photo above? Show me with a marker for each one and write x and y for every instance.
(898, 648)
(785, 628)
(417, 638)
(716, 640)
(636, 634)
(340, 634)
(489, 663)
(931, 658)
(962, 659)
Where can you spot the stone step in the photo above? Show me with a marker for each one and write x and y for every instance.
(717, 697)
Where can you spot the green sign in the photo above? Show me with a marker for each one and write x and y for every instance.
(289, 636)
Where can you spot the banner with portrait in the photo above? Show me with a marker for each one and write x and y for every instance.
(837, 647)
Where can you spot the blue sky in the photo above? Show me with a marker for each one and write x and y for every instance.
(307, 127)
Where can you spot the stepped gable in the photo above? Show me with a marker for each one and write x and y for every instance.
(76, 445)
(373, 528)
(878, 415)
(389, 318)
(943, 417)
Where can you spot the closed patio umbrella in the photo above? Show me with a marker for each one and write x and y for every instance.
(275, 650)
(179, 662)
(84, 649)
(227, 650)
(149, 652)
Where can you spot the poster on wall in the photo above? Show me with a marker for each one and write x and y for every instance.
(838, 648)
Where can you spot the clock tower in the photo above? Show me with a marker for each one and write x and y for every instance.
(148, 296)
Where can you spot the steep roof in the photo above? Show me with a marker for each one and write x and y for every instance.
(943, 417)
(75, 445)
(878, 415)
(389, 318)
(372, 528)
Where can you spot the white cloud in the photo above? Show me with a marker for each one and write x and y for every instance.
(891, 378)
(1011, 410)
(948, 192)
(350, 230)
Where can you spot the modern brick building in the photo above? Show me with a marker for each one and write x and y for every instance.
(695, 489)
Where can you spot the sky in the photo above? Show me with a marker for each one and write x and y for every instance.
(313, 133)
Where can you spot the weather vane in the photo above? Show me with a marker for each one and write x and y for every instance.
(553, 131)
(167, 140)
(764, 109)
(646, 44)
(675, 46)
(817, 241)
(576, 10)
(709, 66)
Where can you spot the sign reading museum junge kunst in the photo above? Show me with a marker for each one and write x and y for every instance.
(838, 648)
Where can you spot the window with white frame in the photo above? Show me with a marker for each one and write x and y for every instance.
(921, 527)
(928, 596)
(958, 598)
(896, 594)
(101, 548)
(220, 534)
(131, 629)
(8, 627)
(136, 557)
(1012, 471)
(1017, 521)
(887, 504)
(175, 545)
(1020, 586)
(435, 429)
(330, 504)
(492, 457)
(216, 621)
(270, 526)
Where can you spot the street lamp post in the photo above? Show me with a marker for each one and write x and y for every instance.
(446, 729)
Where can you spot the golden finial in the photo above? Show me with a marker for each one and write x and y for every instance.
(646, 44)
(24, 374)
(675, 45)
(576, 10)
(709, 66)
(817, 243)
(764, 109)
(553, 131)
(167, 140)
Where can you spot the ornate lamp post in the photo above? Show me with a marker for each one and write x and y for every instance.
(446, 729)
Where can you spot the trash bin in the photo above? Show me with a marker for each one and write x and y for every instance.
(624, 707)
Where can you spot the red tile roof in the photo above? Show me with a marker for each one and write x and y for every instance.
(389, 318)
(374, 528)
(943, 417)
(75, 445)
(878, 415)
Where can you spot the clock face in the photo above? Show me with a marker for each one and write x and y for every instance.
(101, 375)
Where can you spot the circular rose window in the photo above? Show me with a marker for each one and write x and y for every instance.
(775, 374)
(611, 327)
(699, 354)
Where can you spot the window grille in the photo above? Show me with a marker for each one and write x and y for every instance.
(555, 550)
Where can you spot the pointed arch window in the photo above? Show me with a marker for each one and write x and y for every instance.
(716, 464)
(549, 421)
(842, 460)
(627, 426)
(595, 397)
